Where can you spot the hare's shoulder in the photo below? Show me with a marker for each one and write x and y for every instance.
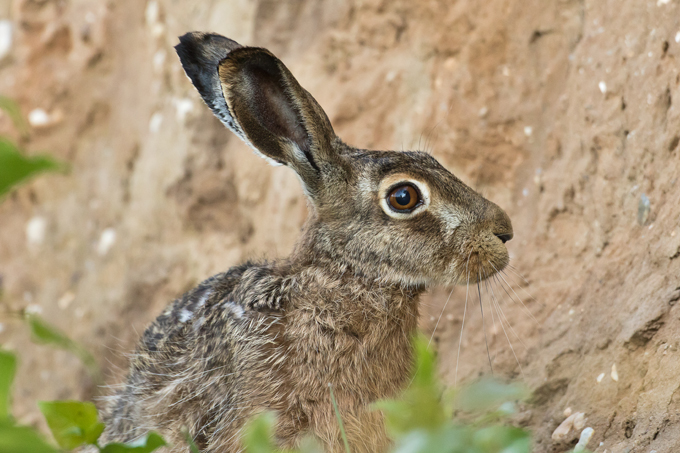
(214, 299)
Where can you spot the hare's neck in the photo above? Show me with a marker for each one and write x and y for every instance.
(352, 303)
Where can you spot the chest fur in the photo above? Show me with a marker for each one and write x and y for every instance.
(362, 348)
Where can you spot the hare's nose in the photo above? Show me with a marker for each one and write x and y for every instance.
(505, 237)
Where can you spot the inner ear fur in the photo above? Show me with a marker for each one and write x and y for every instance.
(278, 117)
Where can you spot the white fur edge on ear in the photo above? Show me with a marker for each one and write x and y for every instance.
(228, 119)
(394, 180)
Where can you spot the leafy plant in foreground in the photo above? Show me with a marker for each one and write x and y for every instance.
(44, 333)
(73, 424)
(15, 167)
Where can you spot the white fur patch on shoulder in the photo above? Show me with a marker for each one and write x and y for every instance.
(234, 309)
(204, 298)
(185, 315)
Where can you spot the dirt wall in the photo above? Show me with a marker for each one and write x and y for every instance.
(564, 112)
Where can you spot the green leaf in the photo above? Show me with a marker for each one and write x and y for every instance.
(16, 168)
(339, 418)
(190, 440)
(12, 109)
(522, 445)
(258, 435)
(420, 406)
(496, 439)
(21, 439)
(8, 366)
(146, 444)
(310, 445)
(73, 423)
(488, 394)
(44, 333)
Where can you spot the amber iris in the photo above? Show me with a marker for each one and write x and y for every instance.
(403, 198)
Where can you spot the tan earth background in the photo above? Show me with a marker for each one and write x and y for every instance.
(566, 113)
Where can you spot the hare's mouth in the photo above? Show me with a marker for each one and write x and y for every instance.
(482, 261)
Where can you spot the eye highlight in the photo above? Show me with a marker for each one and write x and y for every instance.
(404, 198)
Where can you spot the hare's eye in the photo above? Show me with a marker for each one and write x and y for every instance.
(403, 198)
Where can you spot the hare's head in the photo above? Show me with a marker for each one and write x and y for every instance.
(396, 216)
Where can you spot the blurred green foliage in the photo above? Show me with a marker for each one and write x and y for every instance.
(44, 333)
(73, 424)
(15, 167)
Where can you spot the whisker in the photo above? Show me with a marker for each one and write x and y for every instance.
(518, 274)
(440, 316)
(500, 274)
(462, 326)
(497, 300)
(486, 286)
(515, 302)
(486, 340)
(506, 333)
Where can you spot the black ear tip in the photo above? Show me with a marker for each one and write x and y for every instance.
(204, 48)
(200, 54)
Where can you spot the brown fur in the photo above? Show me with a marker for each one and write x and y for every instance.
(341, 310)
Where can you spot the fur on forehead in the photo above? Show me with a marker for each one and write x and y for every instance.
(416, 165)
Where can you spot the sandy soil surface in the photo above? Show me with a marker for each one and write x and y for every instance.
(564, 112)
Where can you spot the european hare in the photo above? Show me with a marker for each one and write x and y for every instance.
(342, 309)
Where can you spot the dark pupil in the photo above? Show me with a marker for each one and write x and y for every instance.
(402, 197)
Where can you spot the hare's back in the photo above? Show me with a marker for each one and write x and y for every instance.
(188, 368)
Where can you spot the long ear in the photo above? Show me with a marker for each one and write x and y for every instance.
(256, 96)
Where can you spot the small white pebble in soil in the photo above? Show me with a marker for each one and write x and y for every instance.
(506, 71)
(562, 431)
(615, 374)
(39, 118)
(483, 111)
(528, 130)
(579, 421)
(106, 241)
(390, 76)
(33, 309)
(586, 434)
(155, 122)
(677, 37)
(600, 377)
(662, 2)
(159, 60)
(183, 107)
(5, 38)
(35, 231)
(567, 412)
(525, 192)
(571, 312)
(65, 300)
(603, 87)
(152, 13)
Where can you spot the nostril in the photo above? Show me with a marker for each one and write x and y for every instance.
(505, 237)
